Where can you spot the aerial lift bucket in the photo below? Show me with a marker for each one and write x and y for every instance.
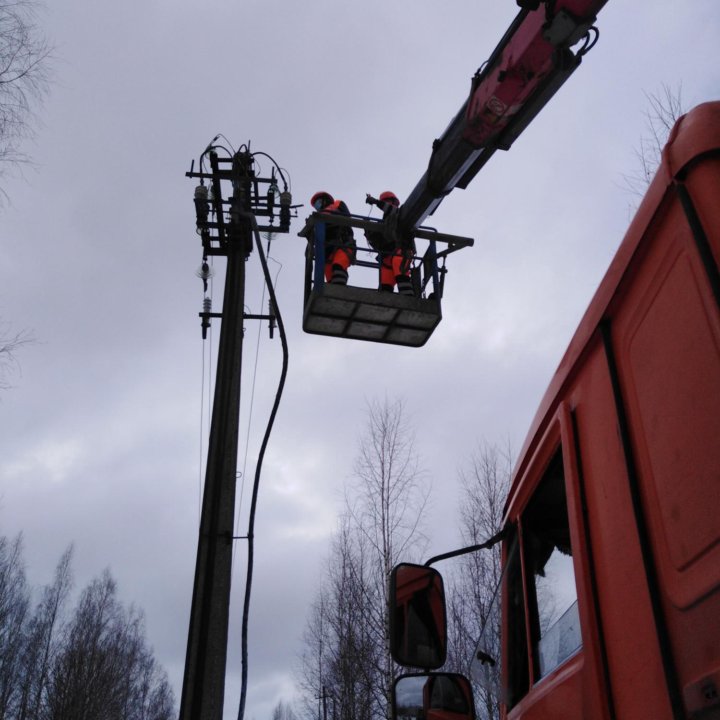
(363, 313)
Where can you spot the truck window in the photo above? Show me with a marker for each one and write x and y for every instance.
(541, 617)
(549, 574)
(485, 666)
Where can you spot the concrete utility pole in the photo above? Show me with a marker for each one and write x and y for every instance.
(229, 233)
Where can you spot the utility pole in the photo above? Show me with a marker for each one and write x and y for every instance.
(227, 227)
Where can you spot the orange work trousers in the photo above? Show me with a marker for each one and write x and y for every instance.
(392, 266)
(341, 257)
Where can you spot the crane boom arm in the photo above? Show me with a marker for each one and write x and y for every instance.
(531, 62)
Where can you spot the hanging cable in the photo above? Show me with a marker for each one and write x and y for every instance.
(242, 474)
(261, 455)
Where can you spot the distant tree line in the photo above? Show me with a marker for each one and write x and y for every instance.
(88, 663)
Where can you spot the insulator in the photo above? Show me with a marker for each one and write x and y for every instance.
(272, 193)
(285, 202)
(207, 306)
(205, 271)
(202, 207)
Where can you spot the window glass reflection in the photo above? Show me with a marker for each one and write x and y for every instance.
(558, 611)
(550, 575)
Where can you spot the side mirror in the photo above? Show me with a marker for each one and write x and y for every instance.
(433, 696)
(418, 627)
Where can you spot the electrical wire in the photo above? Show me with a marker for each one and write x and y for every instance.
(220, 135)
(250, 413)
(206, 350)
(201, 435)
(261, 455)
(272, 160)
(242, 474)
(211, 146)
(202, 411)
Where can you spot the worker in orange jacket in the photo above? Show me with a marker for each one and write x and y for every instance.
(396, 254)
(339, 239)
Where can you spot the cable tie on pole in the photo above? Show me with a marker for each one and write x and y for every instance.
(271, 318)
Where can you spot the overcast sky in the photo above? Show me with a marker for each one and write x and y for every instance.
(100, 437)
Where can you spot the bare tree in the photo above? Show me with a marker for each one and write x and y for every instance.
(104, 668)
(94, 666)
(14, 604)
(337, 667)
(24, 58)
(664, 109)
(41, 643)
(346, 662)
(388, 502)
(283, 711)
(473, 606)
(10, 343)
(387, 507)
(314, 670)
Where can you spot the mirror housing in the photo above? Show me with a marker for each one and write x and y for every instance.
(433, 696)
(418, 626)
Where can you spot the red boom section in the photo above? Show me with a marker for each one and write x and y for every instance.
(531, 62)
(531, 55)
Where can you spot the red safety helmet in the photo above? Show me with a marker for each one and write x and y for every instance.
(338, 206)
(321, 200)
(389, 197)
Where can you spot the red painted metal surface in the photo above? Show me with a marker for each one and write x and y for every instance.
(648, 612)
(525, 61)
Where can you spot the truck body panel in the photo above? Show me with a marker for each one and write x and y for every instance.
(623, 460)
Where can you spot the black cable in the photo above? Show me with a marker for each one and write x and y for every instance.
(272, 160)
(222, 147)
(589, 41)
(220, 135)
(212, 147)
(289, 177)
(253, 503)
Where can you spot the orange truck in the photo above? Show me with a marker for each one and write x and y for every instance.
(609, 602)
